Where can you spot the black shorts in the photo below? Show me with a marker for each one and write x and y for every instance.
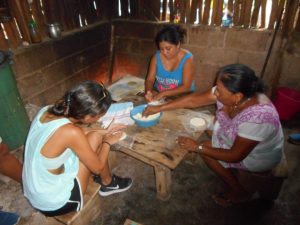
(75, 203)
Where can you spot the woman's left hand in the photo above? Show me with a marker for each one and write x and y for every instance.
(187, 143)
(115, 127)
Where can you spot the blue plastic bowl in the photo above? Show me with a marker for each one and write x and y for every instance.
(141, 123)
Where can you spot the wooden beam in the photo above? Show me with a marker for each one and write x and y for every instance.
(255, 13)
(263, 13)
(247, 15)
(194, 6)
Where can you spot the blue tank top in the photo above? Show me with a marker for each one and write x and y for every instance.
(166, 80)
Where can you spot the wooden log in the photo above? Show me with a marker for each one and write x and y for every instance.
(206, 12)
(273, 15)
(255, 13)
(247, 13)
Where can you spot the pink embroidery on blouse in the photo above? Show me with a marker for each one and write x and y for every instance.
(259, 114)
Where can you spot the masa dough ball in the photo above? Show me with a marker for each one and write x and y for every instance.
(140, 117)
(197, 122)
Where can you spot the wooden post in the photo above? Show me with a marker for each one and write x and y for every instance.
(219, 14)
(164, 10)
(274, 13)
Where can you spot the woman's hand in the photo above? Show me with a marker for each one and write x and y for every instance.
(113, 138)
(149, 110)
(149, 96)
(115, 127)
(158, 96)
(187, 143)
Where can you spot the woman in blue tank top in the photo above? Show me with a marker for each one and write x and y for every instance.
(172, 68)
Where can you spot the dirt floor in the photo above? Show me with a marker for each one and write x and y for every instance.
(190, 203)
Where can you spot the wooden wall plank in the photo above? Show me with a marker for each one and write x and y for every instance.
(247, 15)
(263, 13)
(194, 7)
(230, 5)
(164, 10)
(182, 7)
(187, 12)
(214, 12)
(172, 10)
(291, 10)
(22, 16)
(242, 12)
(200, 11)
(206, 12)
(254, 17)
(236, 12)
(219, 13)
(38, 17)
(14, 40)
(3, 42)
(274, 13)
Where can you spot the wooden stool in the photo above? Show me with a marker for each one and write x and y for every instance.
(267, 185)
(91, 209)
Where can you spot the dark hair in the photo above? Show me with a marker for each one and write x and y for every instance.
(87, 98)
(173, 34)
(240, 78)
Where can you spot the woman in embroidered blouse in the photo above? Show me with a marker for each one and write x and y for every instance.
(247, 133)
(172, 68)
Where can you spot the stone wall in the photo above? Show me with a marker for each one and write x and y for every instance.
(45, 71)
(212, 48)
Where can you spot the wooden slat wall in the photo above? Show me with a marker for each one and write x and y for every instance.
(246, 13)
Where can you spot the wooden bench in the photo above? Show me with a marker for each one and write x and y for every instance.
(267, 185)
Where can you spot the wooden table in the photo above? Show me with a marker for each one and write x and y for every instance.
(156, 145)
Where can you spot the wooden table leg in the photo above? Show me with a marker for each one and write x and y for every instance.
(163, 182)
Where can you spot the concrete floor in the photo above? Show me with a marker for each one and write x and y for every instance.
(191, 203)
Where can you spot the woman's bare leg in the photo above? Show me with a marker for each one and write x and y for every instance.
(236, 190)
(84, 173)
